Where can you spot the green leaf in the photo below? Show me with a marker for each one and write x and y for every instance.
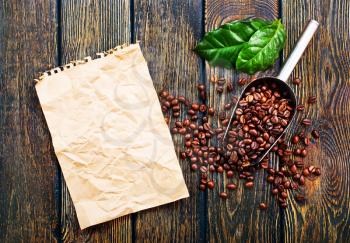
(263, 48)
(221, 46)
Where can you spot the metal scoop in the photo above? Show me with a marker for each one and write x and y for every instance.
(280, 81)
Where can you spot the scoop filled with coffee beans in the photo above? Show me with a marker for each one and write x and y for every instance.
(264, 111)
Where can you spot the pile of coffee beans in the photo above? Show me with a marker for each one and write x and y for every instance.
(260, 118)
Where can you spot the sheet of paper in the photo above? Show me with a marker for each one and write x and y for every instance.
(110, 137)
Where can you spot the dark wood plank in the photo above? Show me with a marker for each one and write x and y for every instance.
(29, 209)
(238, 219)
(324, 70)
(89, 27)
(168, 31)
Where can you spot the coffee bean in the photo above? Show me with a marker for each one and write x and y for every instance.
(202, 108)
(312, 100)
(227, 106)
(315, 134)
(296, 81)
(297, 151)
(274, 191)
(307, 141)
(231, 186)
(262, 206)
(176, 114)
(317, 172)
(284, 195)
(301, 180)
(300, 107)
(219, 89)
(223, 195)
(174, 130)
(293, 169)
(194, 167)
(210, 184)
(211, 111)
(303, 153)
(306, 122)
(203, 169)
(242, 81)
(164, 93)
(229, 87)
(295, 139)
(299, 198)
(202, 187)
(229, 174)
(220, 169)
(182, 130)
(201, 87)
(195, 107)
(249, 184)
(270, 179)
(182, 99)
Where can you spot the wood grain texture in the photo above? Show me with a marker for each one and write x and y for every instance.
(28, 169)
(89, 27)
(324, 70)
(238, 219)
(168, 31)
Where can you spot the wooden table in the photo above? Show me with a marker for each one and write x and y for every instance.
(35, 205)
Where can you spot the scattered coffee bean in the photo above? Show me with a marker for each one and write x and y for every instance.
(295, 139)
(312, 100)
(249, 184)
(306, 122)
(242, 81)
(229, 87)
(262, 206)
(231, 186)
(210, 184)
(300, 107)
(296, 81)
(223, 195)
(315, 134)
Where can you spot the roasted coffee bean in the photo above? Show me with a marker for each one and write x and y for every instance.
(306, 141)
(284, 195)
(202, 187)
(229, 87)
(303, 153)
(312, 100)
(306, 122)
(231, 186)
(176, 114)
(202, 108)
(182, 130)
(210, 184)
(315, 134)
(178, 124)
(182, 99)
(195, 107)
(299, 198)
(201, 87)
(220, 169)
(274, 191)
(229, 174)
(186, 122)
(295, 139)
(270, 179)
(164, 93)
(297, 151)
(242, 81)
(223, 195)
(262, 206)
(219, 89)
(211, 111)
(293, 169)
(317, 172)
(194, 167)
(249, 184)
(203, 169)
(301, 180)
(222, 115)
(296, 81)
(227, 106)
(300, 107)
(174, 130)
(306, 172)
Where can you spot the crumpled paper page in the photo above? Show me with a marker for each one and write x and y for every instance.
(110, 137)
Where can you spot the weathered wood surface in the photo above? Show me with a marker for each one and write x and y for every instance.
(38, 35)
(324, 70)
(238, 218)
(28, 170)
(89, 27)
(167, 32)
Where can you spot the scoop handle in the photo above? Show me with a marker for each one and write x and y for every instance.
(298, 50)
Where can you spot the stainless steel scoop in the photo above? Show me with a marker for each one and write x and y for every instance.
(280, 80)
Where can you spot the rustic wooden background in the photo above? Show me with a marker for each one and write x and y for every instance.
(36, 35)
